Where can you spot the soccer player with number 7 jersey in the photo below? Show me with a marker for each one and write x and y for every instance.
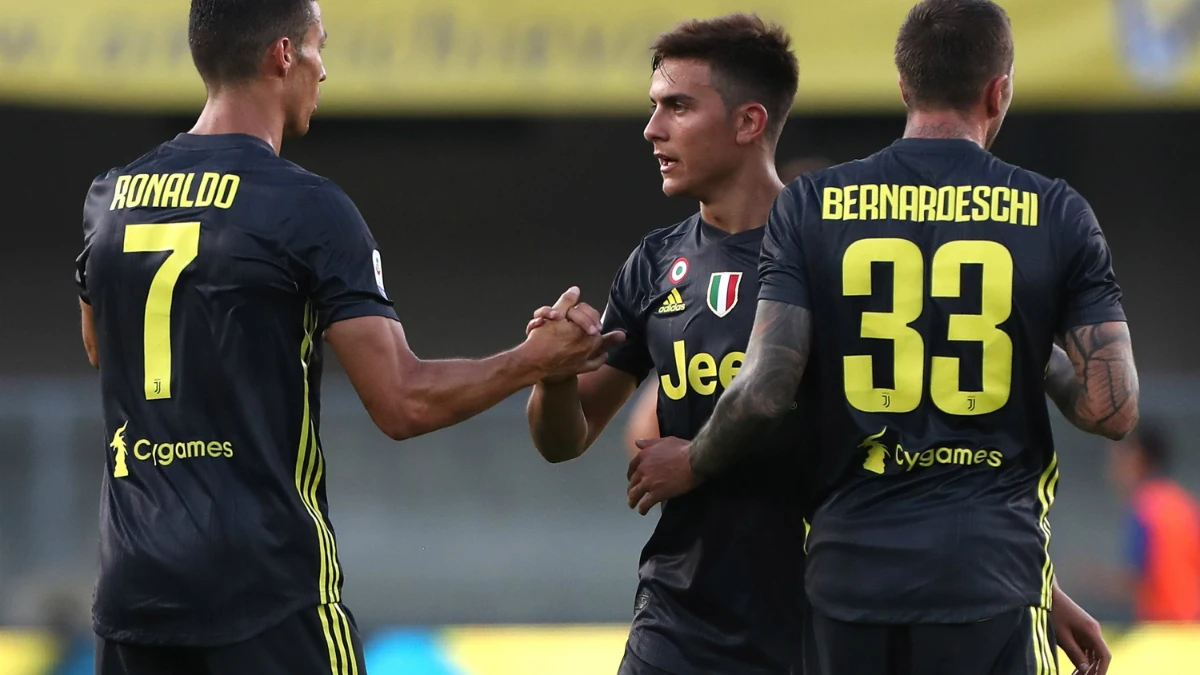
(212, 272)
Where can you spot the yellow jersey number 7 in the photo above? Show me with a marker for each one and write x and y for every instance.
(183, 242)
(908, 265)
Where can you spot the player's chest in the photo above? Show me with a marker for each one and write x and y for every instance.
(698, 320)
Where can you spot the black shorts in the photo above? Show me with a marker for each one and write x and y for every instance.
(1020, 642)
(307, 643)
(632, 665)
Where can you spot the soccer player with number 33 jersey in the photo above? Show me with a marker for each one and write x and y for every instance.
(923, 290)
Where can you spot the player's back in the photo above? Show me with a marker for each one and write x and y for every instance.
(937, 276)
(211, 266)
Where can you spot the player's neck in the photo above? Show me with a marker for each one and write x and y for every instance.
(241, 111)
(943, 124)
(744, 202)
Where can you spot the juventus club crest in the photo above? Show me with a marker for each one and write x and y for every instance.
(723, 290)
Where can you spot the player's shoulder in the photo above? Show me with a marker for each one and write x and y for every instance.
(666, 241)
(1059, 202)
(147, 159)
(324, 201)
(657, 250)
(843, 173)
(809, 186)
(1019, 176)
(302, 177)
(100, 192)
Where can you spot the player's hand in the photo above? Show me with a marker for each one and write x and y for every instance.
(582, 315)
(1080, 636)
(563, 349)
(587, 318)
(661, 471)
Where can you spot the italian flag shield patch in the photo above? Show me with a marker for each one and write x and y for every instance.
(723, 292)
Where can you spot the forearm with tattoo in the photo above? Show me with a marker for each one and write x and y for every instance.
(1094, 381)
(763, 391)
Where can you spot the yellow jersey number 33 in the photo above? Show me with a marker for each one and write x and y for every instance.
(908, 347)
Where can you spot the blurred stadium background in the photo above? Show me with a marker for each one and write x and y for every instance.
(495, 147)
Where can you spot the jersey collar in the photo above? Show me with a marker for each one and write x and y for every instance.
(937, 145)
(219, 141)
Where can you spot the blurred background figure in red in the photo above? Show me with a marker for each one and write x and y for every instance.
(1162, 531)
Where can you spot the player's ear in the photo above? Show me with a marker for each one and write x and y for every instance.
(752, 120)
(996, 96)
(903, 90)
(281, 57)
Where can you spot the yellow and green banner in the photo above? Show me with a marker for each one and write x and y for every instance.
(546, 57)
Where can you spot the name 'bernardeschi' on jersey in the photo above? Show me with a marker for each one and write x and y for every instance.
(938, 277)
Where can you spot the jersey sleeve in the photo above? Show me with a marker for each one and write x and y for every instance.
(98, 201)
(624, 313)
(1091, 291)
(782, 270)
(342, 259)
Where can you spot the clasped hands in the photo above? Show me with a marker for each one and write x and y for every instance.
(662, 469)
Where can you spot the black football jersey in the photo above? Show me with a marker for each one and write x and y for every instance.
(937, 276)
(721, 579)
(212, 267)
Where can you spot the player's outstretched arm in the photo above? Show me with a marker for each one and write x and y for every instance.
(567, 415)
(87, 322)
(1094, 381)
(407, 396)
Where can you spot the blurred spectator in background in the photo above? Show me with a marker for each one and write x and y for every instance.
(1158, 38)
(790, 170)
(1163, 529)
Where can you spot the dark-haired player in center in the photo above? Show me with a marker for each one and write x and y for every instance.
(721, 580)
(212, 271)
(924, 288)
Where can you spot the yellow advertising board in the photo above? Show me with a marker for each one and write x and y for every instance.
(555, 57)
(585, 650)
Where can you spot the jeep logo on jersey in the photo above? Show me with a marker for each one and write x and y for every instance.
(679, 270)
(701, 373)
(723, 292)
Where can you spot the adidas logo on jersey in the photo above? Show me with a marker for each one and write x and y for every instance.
(673, 303)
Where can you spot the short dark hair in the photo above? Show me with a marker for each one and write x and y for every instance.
(948, 50)
(751, 60)
(229, 37)
(1152, 439)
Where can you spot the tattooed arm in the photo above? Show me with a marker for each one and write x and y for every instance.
(765, 387)
(763, 391)
(1094, 381)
